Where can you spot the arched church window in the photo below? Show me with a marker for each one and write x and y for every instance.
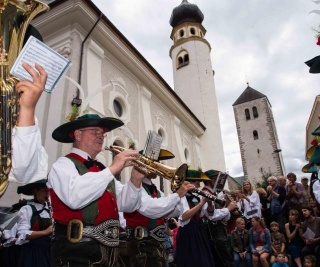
(255, 135)
(247, 113)
(181, 33)
(186, 59)
(255, 112)
(182, 59)
(192, 31)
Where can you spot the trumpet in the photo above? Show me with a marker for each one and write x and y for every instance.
(176, 176)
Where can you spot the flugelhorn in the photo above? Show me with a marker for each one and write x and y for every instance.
(176, 176)
(15, 16)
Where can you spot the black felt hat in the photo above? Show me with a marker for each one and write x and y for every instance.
(64, 133)
(28, 188)
(314, 64)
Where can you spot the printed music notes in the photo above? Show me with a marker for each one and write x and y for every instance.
(35, 51)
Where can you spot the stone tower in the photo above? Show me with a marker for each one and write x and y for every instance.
(194, 79)
(258, 139)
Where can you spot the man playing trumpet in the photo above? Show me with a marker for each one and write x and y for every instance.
(86, 196)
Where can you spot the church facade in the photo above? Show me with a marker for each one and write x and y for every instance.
(111, 78)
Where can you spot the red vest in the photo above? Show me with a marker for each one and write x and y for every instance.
(107, 204)
(135, 218)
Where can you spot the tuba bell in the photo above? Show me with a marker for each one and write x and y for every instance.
(176, 176)
(15, 17)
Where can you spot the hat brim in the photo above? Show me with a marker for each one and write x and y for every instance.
(63, 132)
(314, 64)
(165, 154)
(315, 158)
(28, 188)
(310, 152)
(316, 132)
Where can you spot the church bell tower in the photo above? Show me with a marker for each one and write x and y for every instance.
(194, 79)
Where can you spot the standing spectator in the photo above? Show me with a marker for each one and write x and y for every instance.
(251, 202)
(265, 212)
(294, 192)
(260, 242)
(294, 236)
(240, 244)
(306, 193)
(282, 181)
(278, 243)
(309, 261)
(315, 206)
(276, 197)
(34, 226)
(311, 223)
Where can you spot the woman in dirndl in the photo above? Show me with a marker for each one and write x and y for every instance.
(193, 246)
(34, 226)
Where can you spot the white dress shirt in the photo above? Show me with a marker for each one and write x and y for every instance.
(77, 191)
(29, 158)
(24, 225)
(154, 208)
(254, 204)
(316, 187)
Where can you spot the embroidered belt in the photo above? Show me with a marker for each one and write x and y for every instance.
(141, 232)
(106, 233)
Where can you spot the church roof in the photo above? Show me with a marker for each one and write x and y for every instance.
(248, 94)
(186, 12)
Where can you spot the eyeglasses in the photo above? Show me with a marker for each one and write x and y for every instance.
(96, 132)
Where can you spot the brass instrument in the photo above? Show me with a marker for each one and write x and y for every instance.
(15, 16)
(147, 166)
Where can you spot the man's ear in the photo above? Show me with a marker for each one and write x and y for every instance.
(77, 135)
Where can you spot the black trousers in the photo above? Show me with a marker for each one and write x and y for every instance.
(219, 244)
(83, 254)
(142, 253)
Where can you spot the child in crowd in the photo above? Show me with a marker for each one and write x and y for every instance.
(240, 244)
(280, 260)
(309, 261)
(260, 242)
(278, 242)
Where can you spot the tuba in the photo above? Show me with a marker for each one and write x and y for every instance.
(176, 176)
(15, 17)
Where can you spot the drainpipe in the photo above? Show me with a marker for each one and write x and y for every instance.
(77, 101)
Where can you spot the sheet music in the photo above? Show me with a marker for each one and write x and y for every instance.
(153, 145)
(35, 51)
(309, 234)
(220, 182)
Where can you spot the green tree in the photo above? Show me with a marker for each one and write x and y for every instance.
(264, 179)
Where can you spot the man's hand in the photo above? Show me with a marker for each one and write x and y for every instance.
(137, 177)
(232, 205)
(30, 93)
(184, 188)
(122, 160)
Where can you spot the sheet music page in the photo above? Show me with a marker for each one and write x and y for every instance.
(35, 51)
(309, 234)
(153, 145)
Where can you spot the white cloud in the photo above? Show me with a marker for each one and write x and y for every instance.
(263, 42)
